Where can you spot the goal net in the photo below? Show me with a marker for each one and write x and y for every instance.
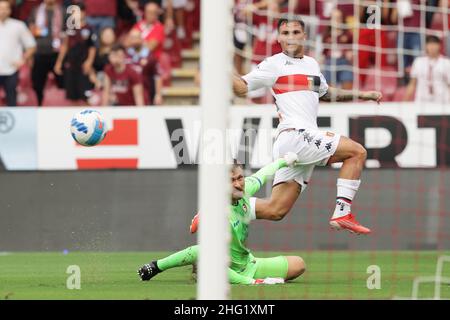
(360, 46)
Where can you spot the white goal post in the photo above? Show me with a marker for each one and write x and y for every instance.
(214, 180)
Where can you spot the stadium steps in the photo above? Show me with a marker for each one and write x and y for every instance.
(181, 95)
(183, 90)
(196, 40)
(191, 58)
(183, 77)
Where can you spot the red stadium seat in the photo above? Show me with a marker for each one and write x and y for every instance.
(438, 22)
(26, 97)
(399, 94)
(55, 97)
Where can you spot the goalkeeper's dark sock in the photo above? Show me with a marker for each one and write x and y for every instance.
(154, 264)
(181, 258)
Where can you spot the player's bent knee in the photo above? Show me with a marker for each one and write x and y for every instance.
(300, 267)
(297, 267)
(360, 152)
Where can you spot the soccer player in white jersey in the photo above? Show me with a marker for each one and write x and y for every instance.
(297, 86)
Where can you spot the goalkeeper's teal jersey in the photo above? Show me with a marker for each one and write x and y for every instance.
(240, 216)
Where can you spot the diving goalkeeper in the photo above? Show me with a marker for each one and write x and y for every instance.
(244, 267)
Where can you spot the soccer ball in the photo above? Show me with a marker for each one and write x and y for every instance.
(88, 127)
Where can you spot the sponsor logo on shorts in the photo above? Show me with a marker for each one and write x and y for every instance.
(328, 146)
(318, 143)
(307, 137)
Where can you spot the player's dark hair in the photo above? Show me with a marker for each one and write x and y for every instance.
(293, 19)
(118, 47)
(154, 2)
(432, 39)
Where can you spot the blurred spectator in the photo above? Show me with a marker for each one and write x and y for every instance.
(408, 17)
(22, 8)
(431, 6)
(323, 9)
(166, 15)
(46, 24)
(143, 62)
(445, 8)
(17, 46)
(430, 75)
(123, 86)
(75, 60)
(106, 42)
(178, 9)
(242, 12)
(265, 32)
(129, 13)
(372, 38)
(338, 57)
(265, 43)
(240, 35)
(100, 14)
(151, 29)
(300, 7)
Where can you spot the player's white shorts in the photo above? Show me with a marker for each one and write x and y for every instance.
(176, 4)
(313, 147)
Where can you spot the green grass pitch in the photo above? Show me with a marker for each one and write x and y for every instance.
(329, 275)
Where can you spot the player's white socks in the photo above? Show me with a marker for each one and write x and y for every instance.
(346, 190)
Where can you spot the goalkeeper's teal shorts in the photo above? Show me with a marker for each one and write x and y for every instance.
(260, 268)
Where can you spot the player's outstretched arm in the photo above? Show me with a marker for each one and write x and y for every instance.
(257, 180)
(341, 95)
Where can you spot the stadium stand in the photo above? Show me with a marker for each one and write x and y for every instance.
(179, 62)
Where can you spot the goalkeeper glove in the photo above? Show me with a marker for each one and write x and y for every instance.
(268, 281)
(291, 159)
(194, 224)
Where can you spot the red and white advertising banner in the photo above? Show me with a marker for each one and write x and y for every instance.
(395, 135)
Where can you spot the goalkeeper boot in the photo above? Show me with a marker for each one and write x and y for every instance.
(194, 224)
(148, 271)
(349, 223)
